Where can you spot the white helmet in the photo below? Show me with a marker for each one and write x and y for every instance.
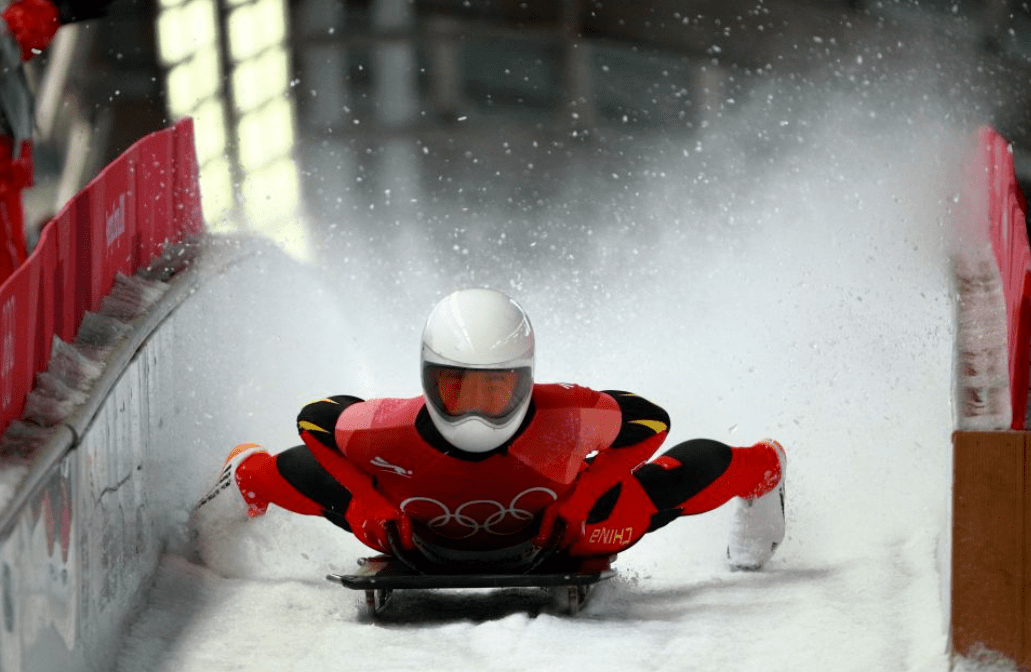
(477, 368)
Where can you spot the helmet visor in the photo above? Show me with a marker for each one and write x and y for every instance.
(493, 394)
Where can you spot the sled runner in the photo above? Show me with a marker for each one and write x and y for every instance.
(380, 576)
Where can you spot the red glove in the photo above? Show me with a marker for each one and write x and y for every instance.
(372, 519)
(564, 522)
(33, 23)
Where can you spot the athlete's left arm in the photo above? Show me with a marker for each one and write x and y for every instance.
(643, 428)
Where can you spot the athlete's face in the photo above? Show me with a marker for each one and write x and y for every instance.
(489, 392)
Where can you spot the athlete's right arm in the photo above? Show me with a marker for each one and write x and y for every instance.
(366, 512)
(317, 479)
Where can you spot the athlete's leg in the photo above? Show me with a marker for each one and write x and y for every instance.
(701, 475)
(293, 479)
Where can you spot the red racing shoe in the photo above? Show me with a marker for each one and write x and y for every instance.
(758, 526)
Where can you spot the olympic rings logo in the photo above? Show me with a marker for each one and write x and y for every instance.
(469, 519)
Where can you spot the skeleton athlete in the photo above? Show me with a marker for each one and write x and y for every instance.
(488, 469)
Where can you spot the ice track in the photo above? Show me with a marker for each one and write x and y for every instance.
(799, 290)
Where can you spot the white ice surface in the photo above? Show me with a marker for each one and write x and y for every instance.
(809, 302)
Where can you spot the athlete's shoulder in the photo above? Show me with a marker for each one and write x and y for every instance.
(380, 413)
(547, 396)
(344, 413)
(377, 424)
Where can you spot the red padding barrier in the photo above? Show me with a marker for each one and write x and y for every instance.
(1008, 231)
(146, 198)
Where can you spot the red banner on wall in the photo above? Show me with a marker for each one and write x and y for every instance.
(155, 176)
(146, 198)
(110, 225)
(67, 302)
(1008, 232)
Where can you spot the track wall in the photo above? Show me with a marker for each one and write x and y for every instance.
(87, 385)
(990, 570)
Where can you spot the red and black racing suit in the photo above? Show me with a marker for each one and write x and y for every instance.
(580, 456)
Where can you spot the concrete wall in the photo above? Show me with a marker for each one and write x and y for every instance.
(78, 542)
